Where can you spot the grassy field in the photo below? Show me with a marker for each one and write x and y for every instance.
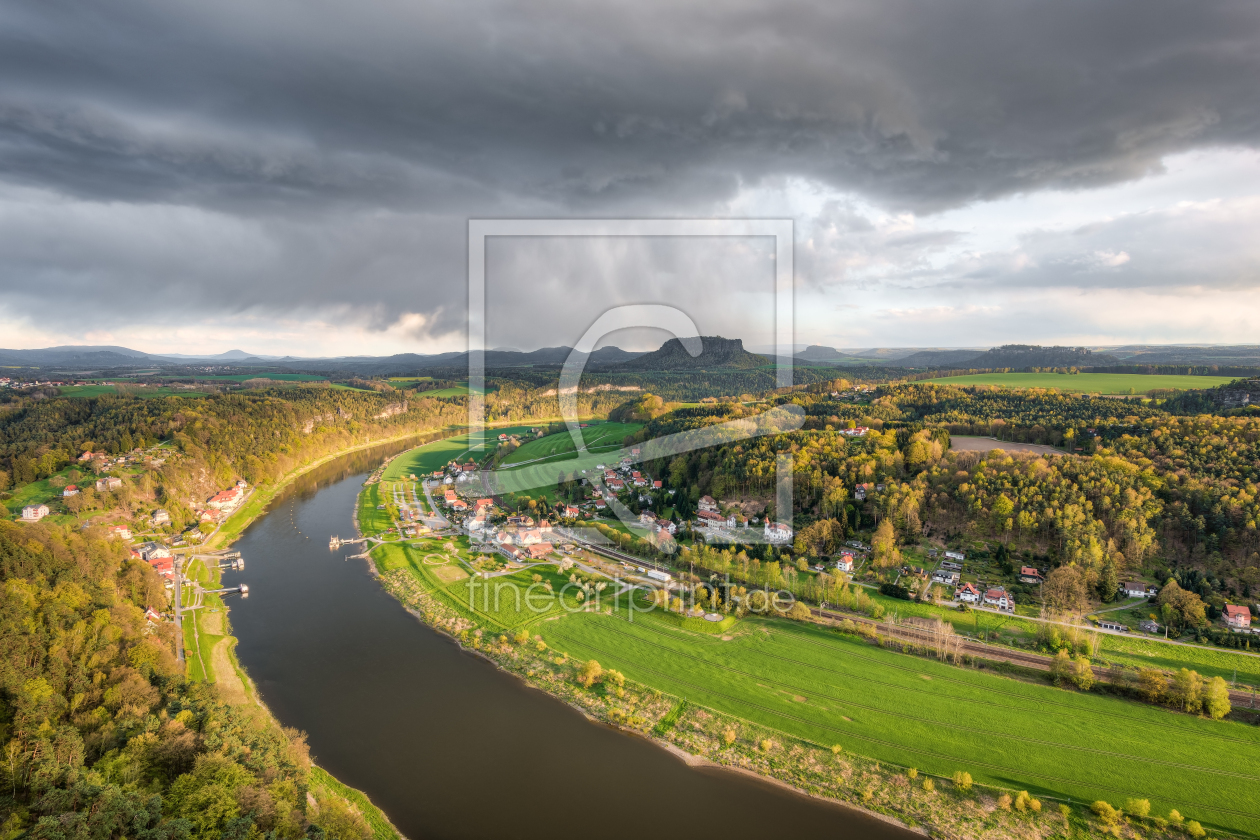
(1089, 383)
(460, 390)
(88, 391)
(433, 456)
(1132, 650)
(829, 689)
(604, 437)
(539, 461)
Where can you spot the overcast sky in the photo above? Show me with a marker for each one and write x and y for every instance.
(297, 177)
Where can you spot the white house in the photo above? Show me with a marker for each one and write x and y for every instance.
(34, 513)
(71, 490)
(108, 483)
(997, 598)
(161, 517)
(845, 563)
(955, 555)
(777, 532)
(968, 594)
(1134, 589)
(707, 503)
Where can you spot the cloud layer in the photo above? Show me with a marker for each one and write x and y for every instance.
(317, 162)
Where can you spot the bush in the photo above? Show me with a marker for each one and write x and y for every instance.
(1022, 800)
(929, 785)
(1065, 811)
(1106, 814)
(1138, 807)
(1174, 817)
(1004, 802)
(729, 737)
(1194, 829)
(912, 773)
(962, 781)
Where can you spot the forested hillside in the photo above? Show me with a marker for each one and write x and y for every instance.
(103, 737)
(1148, 492)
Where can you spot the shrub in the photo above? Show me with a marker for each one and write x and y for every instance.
(912, 773)
(1004, 802)
(962, 781)
(1106, 814)
(590, 672)
(1194, 829)
(1138, 807)
(1034, 805)
(1021, 800)
(766, 744)
(1065, 811)
(929, 785)
(521, 637)
(1216, 699)
(729, 737)
(1174, 817)
(1082, 674)
(836, 749)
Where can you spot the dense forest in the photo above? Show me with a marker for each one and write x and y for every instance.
(1150, 492)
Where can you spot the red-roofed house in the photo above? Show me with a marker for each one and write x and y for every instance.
(71, 490)
(997, 598)
(541, 549)
(1236, 616)
(707, 503)
(656, 485)
(571, 511)
(1028, 574)
(484, 503)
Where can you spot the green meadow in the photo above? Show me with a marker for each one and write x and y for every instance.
(533, 468)
(88, 391)
(1089, 383)
(434, 456)
(832, 689)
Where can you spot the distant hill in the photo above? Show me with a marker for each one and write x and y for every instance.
(816, 353)
(939, 358)
(717, 352)
(1020, 356)
(1156, 355)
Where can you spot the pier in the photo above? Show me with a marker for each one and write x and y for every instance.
(337, 542)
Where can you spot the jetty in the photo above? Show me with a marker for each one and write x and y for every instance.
(337, 542)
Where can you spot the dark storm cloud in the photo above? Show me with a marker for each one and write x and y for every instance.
(314, 150)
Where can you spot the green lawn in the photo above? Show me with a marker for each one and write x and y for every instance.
(1089, 383)
(557, 453)
(604, 437)
(432, 456)
(830, 689)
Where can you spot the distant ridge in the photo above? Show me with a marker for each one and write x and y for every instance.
(717, 352)
(1034, 355)
(939, 358)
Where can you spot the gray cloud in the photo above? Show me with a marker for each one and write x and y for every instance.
(242, 156)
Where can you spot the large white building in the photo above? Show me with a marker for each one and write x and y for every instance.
(777, 532)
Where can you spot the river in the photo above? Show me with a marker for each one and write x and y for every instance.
(441, 740)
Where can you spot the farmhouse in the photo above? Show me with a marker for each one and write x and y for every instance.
(967, 593)
(1237, 617)
(707, 503)
(71, 490)
(34, 513)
